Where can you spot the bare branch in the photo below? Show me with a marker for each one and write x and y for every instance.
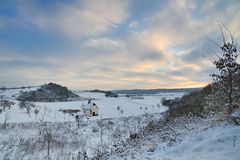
(209, 58)
(223, 36)
(230, 33)
(212, 41)
(214, 52)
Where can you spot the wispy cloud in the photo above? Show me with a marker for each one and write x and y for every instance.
(75, 19)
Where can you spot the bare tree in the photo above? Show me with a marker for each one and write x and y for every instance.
(4, 103)
(6, 118)
(227, 65)
(102, 126)
(48, 135)
(26, 105)
(78, 119)
(49, 138)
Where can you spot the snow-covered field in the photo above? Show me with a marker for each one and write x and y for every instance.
(107, 136)
(107, 107)
(25, 141)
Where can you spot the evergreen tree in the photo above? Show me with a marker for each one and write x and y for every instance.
(229, 69)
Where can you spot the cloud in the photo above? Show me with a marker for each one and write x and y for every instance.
(104, 43)
(183, 22)
(133, 24)
(113, 43)
(75, 19)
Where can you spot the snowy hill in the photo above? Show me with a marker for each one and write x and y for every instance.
(50, 92)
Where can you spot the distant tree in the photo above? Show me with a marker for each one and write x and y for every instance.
(26, 105)
(3, 88)
(6, 118)
(118, 108)
(111, 94)
(36, 111)
(4, 103)
(122, 111)
(226, 63)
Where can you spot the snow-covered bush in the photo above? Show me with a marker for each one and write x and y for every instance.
(235, 117)
(101, 151)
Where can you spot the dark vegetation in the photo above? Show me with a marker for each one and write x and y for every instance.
(48, 93)
(70, 110)
(107, 93)
(192, 103)
(7, 88)
(154, 91)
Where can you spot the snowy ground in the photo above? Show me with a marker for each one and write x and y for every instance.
(107, 107)
(182, 139)
(24, 140)
(198, 139)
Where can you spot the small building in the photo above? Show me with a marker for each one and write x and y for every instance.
(91, 109)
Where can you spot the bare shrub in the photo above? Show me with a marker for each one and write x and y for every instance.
(82, 155)
(95, 129)
(118, 108)
(101, 151)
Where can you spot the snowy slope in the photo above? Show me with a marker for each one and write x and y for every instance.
(14, 93)
(220, 143)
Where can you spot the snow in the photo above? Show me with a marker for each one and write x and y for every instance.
(191, 138)
(236, 114)
(89, 105)
(23, 140)
(50, 111)
(14, 93)
(198, 139)
(221, 143)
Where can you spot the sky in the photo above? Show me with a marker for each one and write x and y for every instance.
(112, 44)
